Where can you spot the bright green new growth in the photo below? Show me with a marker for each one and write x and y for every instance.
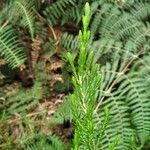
(86, 81)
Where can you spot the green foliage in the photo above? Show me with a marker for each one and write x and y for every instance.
(29, 138)
(24, 11)
(63, 11)
(57, 10)
(86, 81)
(11, 48)
(17, 13)
(70, 42)
(63, 114)
(45, 143)
(4, 12)
(123, 89)
(24, 100)
(120, 43)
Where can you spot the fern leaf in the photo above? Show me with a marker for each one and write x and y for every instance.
(114, 100)
(46, 143)
(24, 8)
(11, 49)
(73, 14)
(25, 100)
(141, 10)
(138, 102)
(4, 13)
(57, 10)
(63, 114)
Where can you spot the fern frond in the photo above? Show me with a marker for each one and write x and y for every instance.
(46, 143)
(23, 10)
(106, 47)
(138, 101)
(127, 92)
(72, 14)
(24, 100)
(75, 13)
(98, 17)
(11, 48)
(4, 13)
(119, 123)
(40, 30)
(141, 10)
(63, 114)
(57, 10)
(70, 43)
(96, 23)
(49, 48)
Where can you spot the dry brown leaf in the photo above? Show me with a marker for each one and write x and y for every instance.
(56, 65)
(56, 78)
(36, 49)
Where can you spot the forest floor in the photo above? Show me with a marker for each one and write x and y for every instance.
(56, 87)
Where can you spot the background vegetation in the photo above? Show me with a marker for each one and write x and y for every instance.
(35, 77)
